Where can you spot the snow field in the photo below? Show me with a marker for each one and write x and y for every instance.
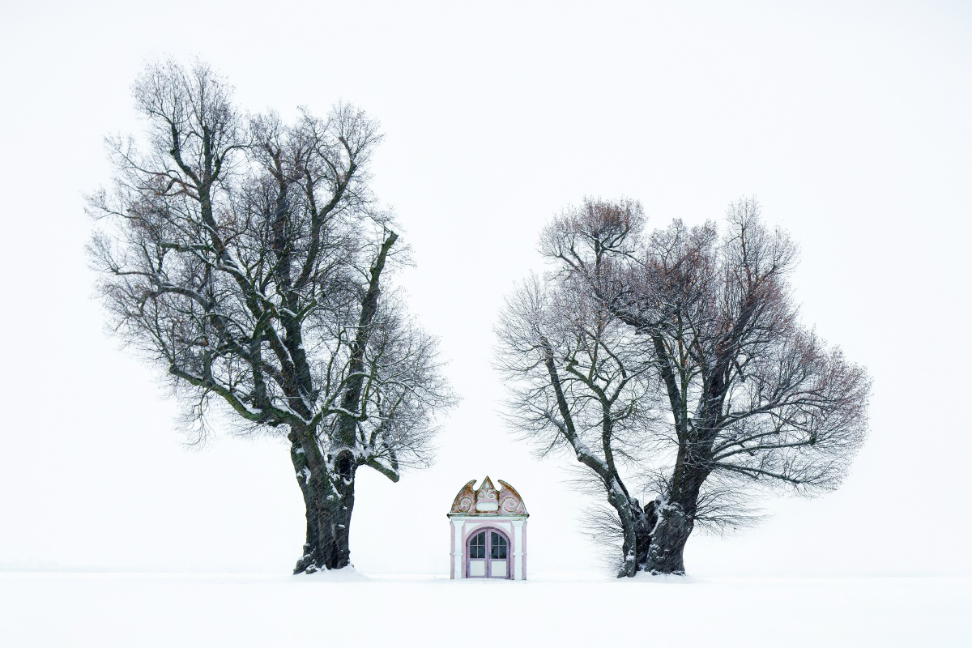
(107, 609)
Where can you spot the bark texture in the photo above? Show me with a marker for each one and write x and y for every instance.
(328, 503)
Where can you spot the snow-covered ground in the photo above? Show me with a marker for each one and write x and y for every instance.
(104, 609)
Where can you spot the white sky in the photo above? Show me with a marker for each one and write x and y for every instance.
(849, 121)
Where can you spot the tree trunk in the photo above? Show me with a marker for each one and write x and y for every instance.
(328, 504)
(676, 519)
(665, 555)
(637, 540)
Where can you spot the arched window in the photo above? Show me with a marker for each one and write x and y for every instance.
(488, 555)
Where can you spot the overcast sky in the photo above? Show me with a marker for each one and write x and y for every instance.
(850, 122)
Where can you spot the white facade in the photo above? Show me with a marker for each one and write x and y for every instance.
(488, 529)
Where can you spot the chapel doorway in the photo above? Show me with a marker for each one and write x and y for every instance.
(488, 555)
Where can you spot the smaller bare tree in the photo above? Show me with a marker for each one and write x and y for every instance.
(742, 394)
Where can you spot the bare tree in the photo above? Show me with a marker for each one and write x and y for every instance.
(245, 257)
(750, 397)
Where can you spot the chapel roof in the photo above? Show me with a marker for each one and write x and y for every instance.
(488, 501)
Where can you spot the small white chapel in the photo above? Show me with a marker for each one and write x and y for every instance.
(488, 532)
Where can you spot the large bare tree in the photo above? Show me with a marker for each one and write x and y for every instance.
(742, 394)
(247, 258)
